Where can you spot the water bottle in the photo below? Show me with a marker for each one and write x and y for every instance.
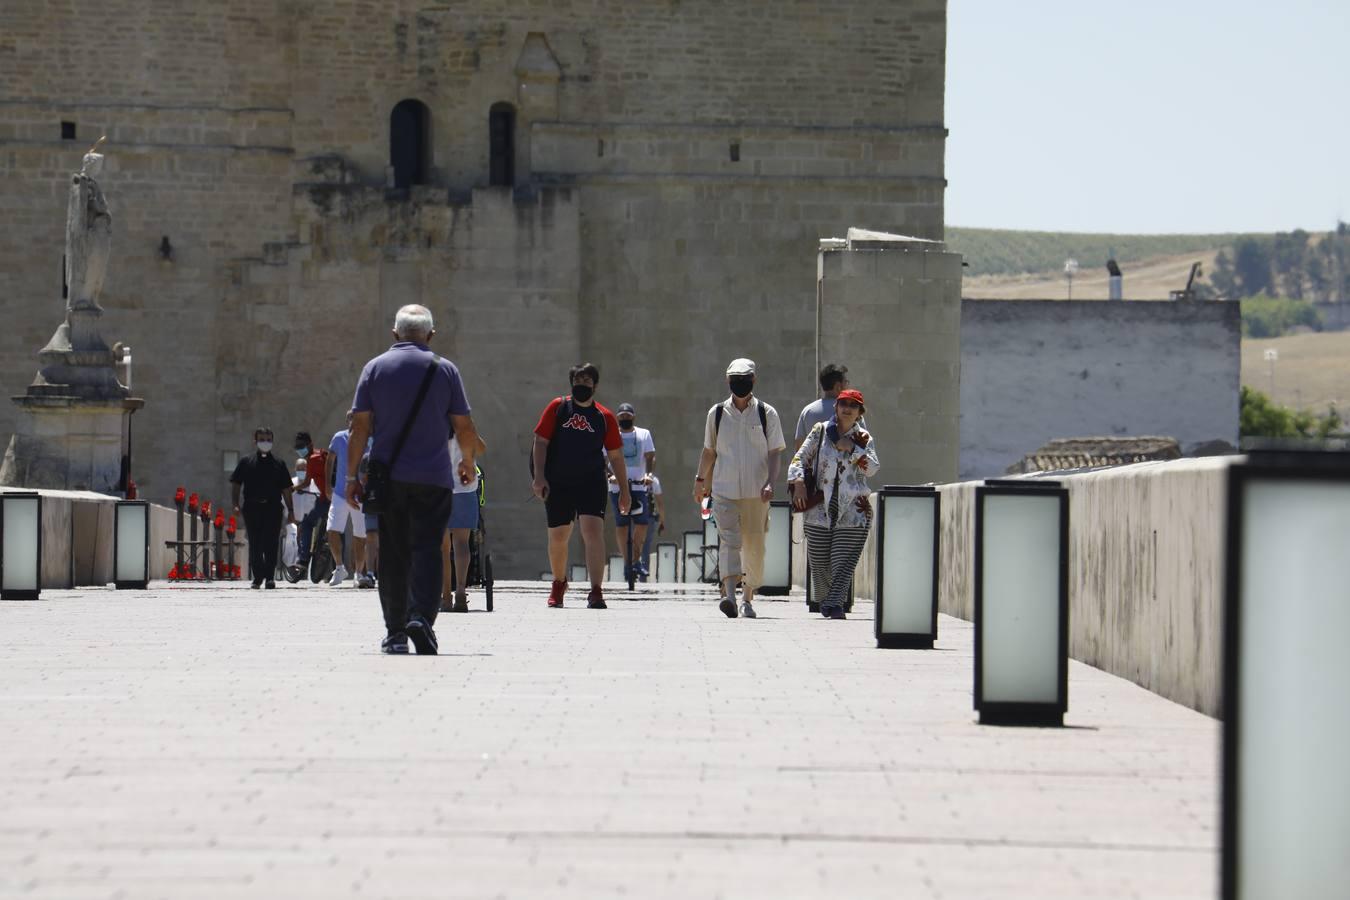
(705, 508)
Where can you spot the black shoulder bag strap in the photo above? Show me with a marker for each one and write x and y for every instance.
(412, 413)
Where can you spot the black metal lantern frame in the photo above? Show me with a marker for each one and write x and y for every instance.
(1032, 713)
(35, 592)
(906, 640)
(131, 507)
(1323, 875)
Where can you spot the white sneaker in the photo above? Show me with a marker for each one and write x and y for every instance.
(339, 576)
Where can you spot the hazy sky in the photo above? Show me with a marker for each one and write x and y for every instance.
(1148, 116)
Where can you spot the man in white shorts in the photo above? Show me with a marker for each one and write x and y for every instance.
(341, 510)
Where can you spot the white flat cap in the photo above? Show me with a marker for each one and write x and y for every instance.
(741, 367)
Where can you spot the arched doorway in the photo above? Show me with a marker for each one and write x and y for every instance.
(410, 143)
(502, 145)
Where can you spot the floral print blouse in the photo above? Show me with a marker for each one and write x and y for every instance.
(842, 471)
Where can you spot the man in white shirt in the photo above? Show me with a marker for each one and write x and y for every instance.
(639, 455)
(742, 455)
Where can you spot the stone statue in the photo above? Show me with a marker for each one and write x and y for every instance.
(74, 427)
(88, 234)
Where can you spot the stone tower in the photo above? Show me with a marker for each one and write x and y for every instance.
(639, 184)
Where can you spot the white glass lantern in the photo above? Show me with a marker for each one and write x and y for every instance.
(778, 550)
(578, 575)
(693, 557)
(20, 545)
(1286, 687)
(614, 570)
(1021, 602)
(907, 551)
(131, 544)
(667, 562)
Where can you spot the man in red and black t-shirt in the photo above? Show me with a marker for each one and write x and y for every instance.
(571, 441)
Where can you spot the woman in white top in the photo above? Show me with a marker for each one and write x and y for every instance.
(463, 519)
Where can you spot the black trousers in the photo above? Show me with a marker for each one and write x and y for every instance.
(411, 526)
(262, 522)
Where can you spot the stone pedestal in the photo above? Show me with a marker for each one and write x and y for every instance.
(75, 430)
(889, 308)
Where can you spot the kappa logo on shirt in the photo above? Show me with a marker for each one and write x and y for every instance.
(578, 422)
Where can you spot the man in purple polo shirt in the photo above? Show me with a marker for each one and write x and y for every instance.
(422, 479)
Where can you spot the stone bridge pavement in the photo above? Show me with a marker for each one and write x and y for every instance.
(218, 742)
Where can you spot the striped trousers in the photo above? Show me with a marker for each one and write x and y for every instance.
(833, 553)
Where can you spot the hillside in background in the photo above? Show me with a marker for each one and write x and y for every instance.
(1148, 279)
(992, 251)
(1295, 265)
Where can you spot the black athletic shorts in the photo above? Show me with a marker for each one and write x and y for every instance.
(567, 501)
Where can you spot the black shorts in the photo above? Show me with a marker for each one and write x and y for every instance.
(567, 501)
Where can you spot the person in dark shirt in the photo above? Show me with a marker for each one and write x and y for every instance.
(266, 484)
(421, 477)
(571, 441)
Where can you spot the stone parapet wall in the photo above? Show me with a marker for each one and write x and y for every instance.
(78, 536)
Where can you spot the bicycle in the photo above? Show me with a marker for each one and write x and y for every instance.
(320, 566)
(631, 567)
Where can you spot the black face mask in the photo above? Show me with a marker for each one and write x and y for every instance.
(626, 424)
(582, 392)
(741, 385)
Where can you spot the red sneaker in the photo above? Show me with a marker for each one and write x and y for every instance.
(555, 596)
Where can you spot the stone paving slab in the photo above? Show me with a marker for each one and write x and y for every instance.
(212, 741)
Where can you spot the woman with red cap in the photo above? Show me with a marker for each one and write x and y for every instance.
(828, 478)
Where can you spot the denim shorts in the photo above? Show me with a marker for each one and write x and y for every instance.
(639, 498)
(372, 523)
(464, 514)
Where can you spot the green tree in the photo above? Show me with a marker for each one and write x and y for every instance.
(1251, 267)
(1260, 416)
(1267, 317)
(1289, 262)
(1222, 276)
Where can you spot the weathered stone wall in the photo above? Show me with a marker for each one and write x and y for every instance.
(255, 136)
(1035, 370)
